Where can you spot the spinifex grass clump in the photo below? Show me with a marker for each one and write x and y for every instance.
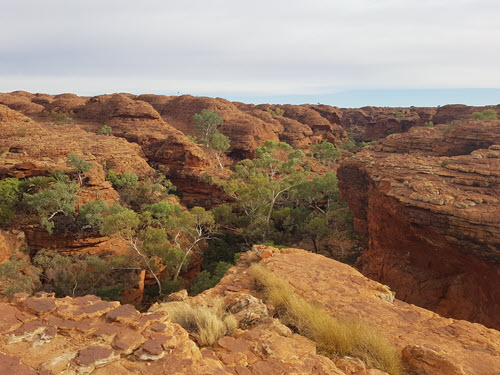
(209, 322)
(334, 338)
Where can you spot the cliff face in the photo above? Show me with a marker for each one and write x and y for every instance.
(83, 335)
(429, 202)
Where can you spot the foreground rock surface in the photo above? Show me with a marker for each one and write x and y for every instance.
(47, 335)
(429, 201)
(431, 344)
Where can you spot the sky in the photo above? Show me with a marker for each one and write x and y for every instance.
(339, 52)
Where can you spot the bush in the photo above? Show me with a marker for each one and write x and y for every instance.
(487, 114)
(10, 194)
(60, 118)
(334, 338)
(17, 276)
(429, 124)
(207, 280)
(110, 293)
(278, 112)
(126, 180)
(209, 323)
(105, 130)
(399, 114)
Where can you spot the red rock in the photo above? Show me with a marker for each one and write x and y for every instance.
(432, 221)
(10, 365)
(123, 313)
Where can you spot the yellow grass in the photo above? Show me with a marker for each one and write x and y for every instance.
(209, 322)
(334, 338)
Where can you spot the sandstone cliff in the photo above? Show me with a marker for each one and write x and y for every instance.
(429, 202)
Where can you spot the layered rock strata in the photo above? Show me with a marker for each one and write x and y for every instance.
(429, 201)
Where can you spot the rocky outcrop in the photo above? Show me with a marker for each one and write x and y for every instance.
(374, 123)
(429, 202)
(430, 344)
(46, 335)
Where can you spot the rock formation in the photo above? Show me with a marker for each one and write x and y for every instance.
(47, 335)
(429, 202)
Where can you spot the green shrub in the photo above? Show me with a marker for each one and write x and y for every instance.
(126, 180)
(207, 280)
(10, 194)
(110, 293)
(105, 130)
(17, 276)
(278, 112)
(60, 118)
(429, 124)
(487, 114)
(399, 114)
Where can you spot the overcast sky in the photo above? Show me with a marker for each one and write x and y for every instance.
(273, 49)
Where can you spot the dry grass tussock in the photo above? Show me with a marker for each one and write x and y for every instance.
(334, 338)
(210, 323)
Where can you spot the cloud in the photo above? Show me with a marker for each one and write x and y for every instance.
(267, 47)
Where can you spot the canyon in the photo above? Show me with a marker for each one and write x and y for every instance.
(425, 197)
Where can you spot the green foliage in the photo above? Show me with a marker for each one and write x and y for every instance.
(59, 198)
(207, 280)
(162, 212)
(110, 293)
(76, 275)
(429, 124)
(79, 165)
(259, 185)
(348, 145)
(316, 229)
(37, 183)
(220, 142)
(60, 118)
(10, 194)
(17, 276)
(319, 192)
(192, 138)
(399, 114)
(389, 131)
(365, 144)
(326, 153)
(126, 180)
(59, 176)
(487, 114)
(105, 130)
(278, 112)
(91, 213)
(206, 123)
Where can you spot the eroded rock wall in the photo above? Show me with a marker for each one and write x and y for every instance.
(432, 220)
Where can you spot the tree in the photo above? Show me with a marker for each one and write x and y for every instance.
(130, 227)
(126, 180)
(316, 229)
(326, 153)
(220, 144)
(260, 183)
(79, 165)
(206, 124)
(196, 226)
(59, 198)
(105, 130)
(319, 192)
